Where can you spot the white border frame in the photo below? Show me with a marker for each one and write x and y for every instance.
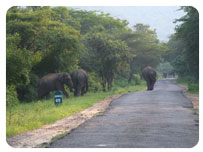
(4, 6)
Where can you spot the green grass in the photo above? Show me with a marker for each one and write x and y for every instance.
(193, 88)
(29, 116)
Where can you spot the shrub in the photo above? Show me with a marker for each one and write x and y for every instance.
(11, 100)
(120, 82)
(136, 78)
(94, 82)
(193, 87)
(11, 96)
(28, 93)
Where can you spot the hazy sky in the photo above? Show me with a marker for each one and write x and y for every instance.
(160, 18)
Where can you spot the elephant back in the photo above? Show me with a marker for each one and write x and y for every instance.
(79, 76)
(149, 72)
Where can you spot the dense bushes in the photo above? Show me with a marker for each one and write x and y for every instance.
(94, 82)
(11, 96)
(136, 78)
(28, 92)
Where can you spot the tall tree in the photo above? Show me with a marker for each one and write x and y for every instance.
(39, 41)
(144, 47)
(105, 55)
(183, 52)
(188, 32)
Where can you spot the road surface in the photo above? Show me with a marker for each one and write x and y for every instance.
(161, 118)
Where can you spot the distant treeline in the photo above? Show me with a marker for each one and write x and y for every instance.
(42, 40)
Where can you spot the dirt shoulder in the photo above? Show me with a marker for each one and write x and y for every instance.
(193, 97)
(44, 135)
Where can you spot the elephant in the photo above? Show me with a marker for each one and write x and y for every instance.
(171, 73)
(52, 82)
(164, 74)
(150, 76)
(80, 82)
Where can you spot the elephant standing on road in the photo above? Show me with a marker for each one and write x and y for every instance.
(150, 76)
(164, 74)
(52, 82)
(172, 73)
(80, 82)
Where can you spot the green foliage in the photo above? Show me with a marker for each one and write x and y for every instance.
(11, 101)
(165, 66)
(18, 62)
(94, 82)
(90, 19)
(28, 93)
(190, 83)
(193, 88)
(11, 95)
(145, 48)
(39, 41)
(104, 55)
(183, 52)
(42, 40)
(120, 82)
(136, 78)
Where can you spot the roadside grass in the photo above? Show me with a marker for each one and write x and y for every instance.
(30, 116)
(193, 88)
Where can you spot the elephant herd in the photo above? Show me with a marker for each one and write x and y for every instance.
(78, 81)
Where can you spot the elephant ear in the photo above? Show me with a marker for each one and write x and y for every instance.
(61, 77)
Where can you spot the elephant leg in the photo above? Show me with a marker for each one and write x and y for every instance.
(78, 90)
(152, 85)
(41, 94)
(65, 93)
(47, 96)
(83, 90)
(61, 87)
(75, 91)
(148, 85)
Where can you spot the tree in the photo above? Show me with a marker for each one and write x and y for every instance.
(105, 55)
(39, 41)
(188, 32)
(174, 55)
(144, 47)
(90, 19)
(183, 52)
(19, 62)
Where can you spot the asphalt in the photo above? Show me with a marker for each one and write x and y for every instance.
(162, 118)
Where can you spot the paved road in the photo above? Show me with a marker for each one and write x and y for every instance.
(159, 118)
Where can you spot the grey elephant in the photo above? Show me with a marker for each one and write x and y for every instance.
(164, 74)
(52, 82)
(80, 82)
(150, 76)
(171, 73)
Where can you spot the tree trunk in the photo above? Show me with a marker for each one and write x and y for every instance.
(130, 77)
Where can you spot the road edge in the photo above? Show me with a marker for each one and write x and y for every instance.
(192, 97)
(43, 136)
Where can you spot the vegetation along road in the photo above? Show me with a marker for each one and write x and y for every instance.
(43, 40)
(160, 118)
